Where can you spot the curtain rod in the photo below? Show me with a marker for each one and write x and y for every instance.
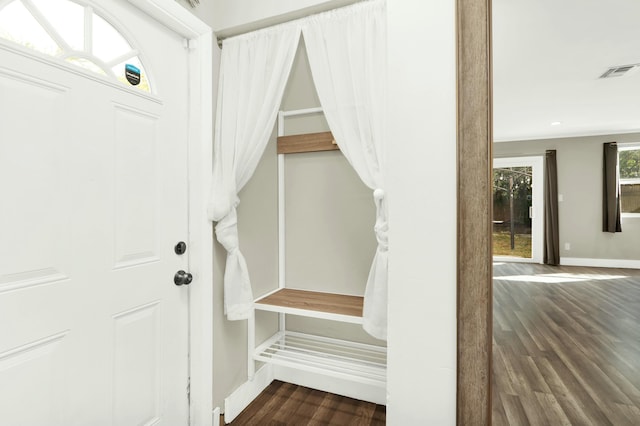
(282, 19)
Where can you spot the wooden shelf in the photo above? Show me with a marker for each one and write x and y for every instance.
(338, 307)
(309, 142)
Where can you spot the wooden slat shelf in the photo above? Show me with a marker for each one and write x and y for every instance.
(309, 142)
(315, 304)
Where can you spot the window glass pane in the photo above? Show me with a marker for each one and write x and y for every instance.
(67, 18)
(108, 44)
(119, 71)
(512, 201)
(630, 194)
(86, 64)
(17, 25)
(629, 164)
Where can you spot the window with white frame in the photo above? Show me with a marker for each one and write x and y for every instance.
(629, 167)
(73, 33)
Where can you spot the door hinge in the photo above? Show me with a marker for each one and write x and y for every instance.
(189, 390)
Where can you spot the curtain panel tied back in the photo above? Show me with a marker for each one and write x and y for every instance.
(347, 54)
(375, 296)
(254, 70)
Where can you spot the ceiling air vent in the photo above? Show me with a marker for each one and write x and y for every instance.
(619, 71)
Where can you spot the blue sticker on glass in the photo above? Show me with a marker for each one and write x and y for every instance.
(132, 73)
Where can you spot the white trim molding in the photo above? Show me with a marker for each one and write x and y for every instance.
(174, 16)
(247, 392)
(183, 22)
(336, 385)
(600, 263)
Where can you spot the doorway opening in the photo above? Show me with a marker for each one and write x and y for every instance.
(518, 209)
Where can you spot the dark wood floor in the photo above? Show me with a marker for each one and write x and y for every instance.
(566, 347)
(286, 404)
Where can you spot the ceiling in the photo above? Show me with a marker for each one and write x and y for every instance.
(547, 57)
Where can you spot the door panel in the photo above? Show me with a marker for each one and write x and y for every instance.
(93, 180)
(136, 194)
(34, 371)
(136, 395)
(39, 168)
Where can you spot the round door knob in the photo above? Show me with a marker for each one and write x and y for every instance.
(182, 278)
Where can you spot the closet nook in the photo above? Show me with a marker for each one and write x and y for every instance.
(362, 367)
(318, 338)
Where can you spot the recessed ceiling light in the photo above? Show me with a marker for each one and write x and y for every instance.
(556, 123)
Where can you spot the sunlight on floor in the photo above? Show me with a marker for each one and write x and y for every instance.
(558, 278)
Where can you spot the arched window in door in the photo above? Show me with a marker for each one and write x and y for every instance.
(74, 33)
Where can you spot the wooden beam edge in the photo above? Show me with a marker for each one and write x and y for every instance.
(474, 168)
(308, 142)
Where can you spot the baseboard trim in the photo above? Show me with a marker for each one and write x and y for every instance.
(514, 259)
(216, 416)
(247, 392)
(351, 389)
(600, 263)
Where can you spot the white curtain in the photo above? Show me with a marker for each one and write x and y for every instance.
(253, 74)
(347, 54)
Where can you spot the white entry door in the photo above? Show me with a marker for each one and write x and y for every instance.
(93, 200)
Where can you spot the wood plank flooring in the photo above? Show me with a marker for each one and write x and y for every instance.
(566, 346)
(287, 404)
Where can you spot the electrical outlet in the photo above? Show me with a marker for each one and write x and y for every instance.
(560, 198)
(567, 246)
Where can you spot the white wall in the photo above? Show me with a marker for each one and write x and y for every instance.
(422, 213)
(232, 17)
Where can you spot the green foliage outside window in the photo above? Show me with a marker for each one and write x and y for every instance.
(629, 164)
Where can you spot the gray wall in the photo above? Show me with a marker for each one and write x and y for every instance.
(580, 183)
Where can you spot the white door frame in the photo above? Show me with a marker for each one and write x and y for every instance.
(200, 37)
(537, 206)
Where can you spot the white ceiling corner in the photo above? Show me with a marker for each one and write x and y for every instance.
(548, 56)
